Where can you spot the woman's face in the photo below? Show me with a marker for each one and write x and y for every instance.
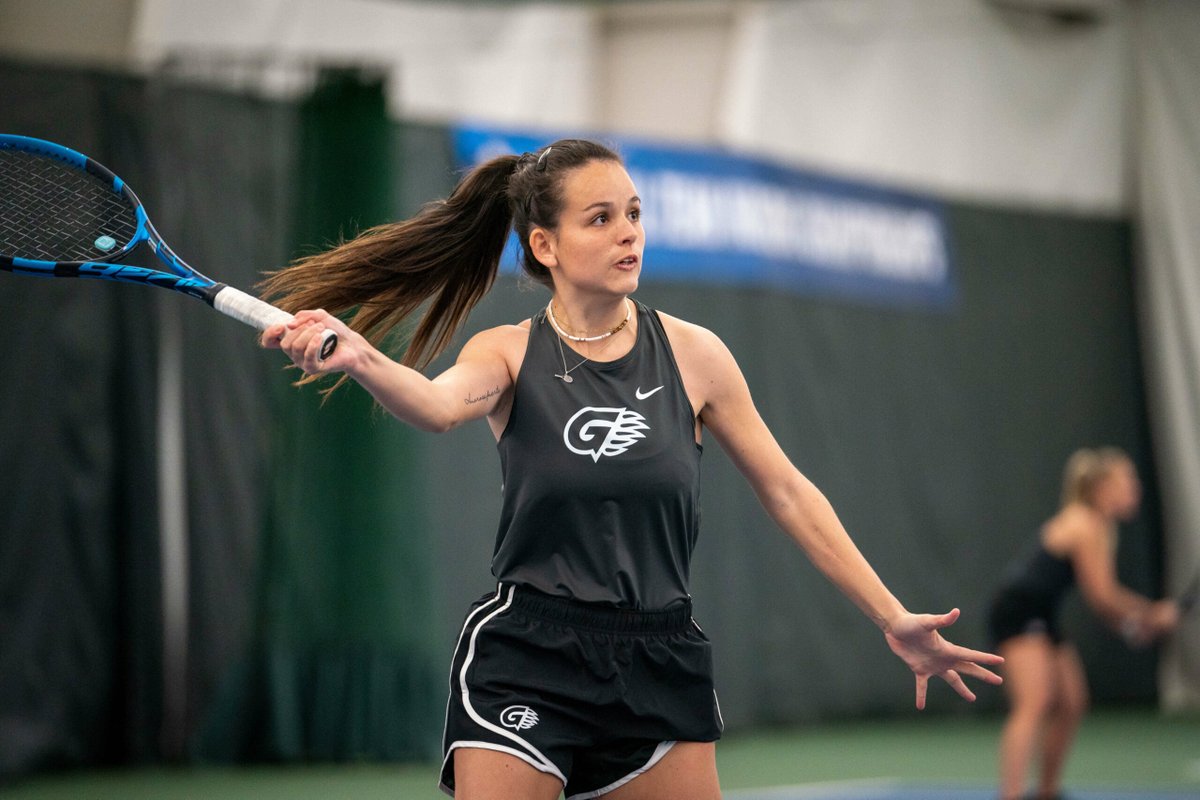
(1120, 491)
(598, 243)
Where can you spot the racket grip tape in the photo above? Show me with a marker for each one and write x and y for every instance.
(249, 309)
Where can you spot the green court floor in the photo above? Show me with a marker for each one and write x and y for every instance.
(1138, 750)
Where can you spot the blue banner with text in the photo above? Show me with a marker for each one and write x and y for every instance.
(720, 218)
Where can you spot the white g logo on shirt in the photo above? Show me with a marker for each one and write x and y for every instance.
(608, 431)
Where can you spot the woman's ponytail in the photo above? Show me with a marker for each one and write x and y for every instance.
(446, 256)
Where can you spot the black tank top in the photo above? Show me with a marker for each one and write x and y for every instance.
(1040, 577)
(601, 475)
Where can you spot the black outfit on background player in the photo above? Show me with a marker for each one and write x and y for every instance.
(1030, 596)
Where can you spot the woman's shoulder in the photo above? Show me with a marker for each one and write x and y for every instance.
(1075, 525)
(708, 368)
(518, 330)
(689, 335)
(503, 339)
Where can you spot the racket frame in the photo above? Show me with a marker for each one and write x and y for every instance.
(181, 277)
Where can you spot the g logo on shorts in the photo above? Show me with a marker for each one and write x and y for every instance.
(519, 718)
(618, 687)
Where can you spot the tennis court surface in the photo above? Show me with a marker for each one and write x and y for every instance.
(884, 790)
(1120, 755)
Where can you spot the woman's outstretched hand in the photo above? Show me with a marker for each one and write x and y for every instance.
(915, 639)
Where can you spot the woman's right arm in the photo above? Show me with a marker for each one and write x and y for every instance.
(1138, 619)
(477, 384)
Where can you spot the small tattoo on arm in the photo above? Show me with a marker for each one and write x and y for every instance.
(490, 393)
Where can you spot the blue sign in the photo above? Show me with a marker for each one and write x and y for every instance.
(727, 219)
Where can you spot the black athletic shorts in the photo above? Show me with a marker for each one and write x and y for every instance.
(591, 694)
(1013, 613)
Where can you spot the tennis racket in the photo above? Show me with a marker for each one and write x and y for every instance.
(62, 215)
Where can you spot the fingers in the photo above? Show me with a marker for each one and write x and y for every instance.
(275, 336)
(308, 344)
(917, 640)
(312, 350)
(970, 663)
(973, 670)
(976, 656)
(309, 316)
(954, 678)
(933, 622)
(956, 682)
(301, 340)
(271, 336)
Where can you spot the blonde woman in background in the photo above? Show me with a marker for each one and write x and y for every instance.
(1043, 675)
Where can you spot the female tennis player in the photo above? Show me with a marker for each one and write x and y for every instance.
(583, 671)
(1044, 677)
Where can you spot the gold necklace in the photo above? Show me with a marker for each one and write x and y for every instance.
(615, 329)
(565, 377)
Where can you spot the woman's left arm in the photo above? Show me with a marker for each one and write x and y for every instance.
(802, 511)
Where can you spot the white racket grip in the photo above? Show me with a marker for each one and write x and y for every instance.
(249, 309)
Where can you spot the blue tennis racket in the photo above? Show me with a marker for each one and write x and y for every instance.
(62, 215)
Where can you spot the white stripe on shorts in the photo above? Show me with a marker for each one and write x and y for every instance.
(535, 757)
(660, 751)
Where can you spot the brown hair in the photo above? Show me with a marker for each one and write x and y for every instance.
(447, 255)
(1085, 469)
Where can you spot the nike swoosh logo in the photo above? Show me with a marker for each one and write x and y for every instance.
(643, 395)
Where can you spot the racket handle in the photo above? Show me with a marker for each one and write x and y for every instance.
(249, 309)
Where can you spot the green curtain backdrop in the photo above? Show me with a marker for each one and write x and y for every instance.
(341, 667)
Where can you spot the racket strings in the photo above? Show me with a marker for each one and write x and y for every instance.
(52, 211)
